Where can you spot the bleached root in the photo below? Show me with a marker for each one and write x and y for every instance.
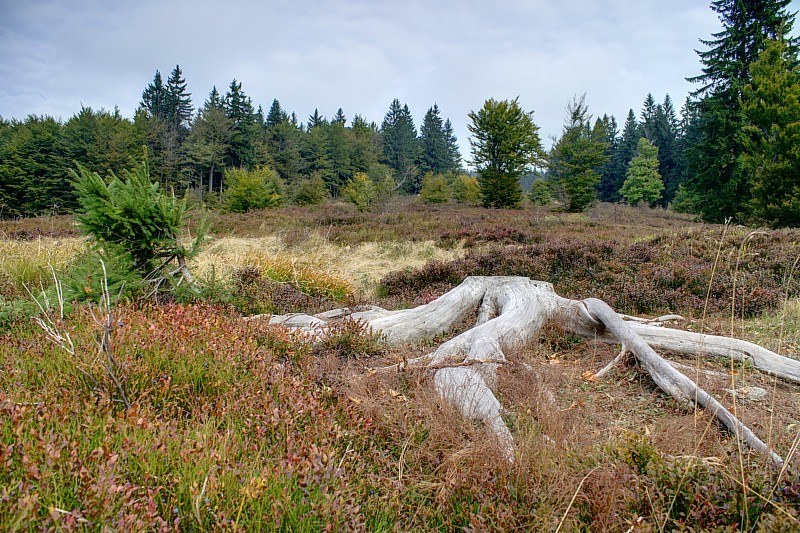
(511, 311)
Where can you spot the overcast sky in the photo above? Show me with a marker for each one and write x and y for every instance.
(354, 54)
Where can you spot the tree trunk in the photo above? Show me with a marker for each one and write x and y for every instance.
(511, 312)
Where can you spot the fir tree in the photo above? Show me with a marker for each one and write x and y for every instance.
(643, 183)
(433, 143)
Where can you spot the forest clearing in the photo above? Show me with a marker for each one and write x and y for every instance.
(236, 424)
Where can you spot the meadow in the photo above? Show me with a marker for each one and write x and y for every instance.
(237, 425)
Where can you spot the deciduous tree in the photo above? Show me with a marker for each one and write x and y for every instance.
(505, 144)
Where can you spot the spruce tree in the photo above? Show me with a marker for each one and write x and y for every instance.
(275, 115)
(315, 120)
(643, 183)
(244, 142)
(339, 118)
(771, 158)
(400, 146)
(714, 161)
(574, 158)
(155, 98)
(179, 102)
(625, 149)
(434, 156)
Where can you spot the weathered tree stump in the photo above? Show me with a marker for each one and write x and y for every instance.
(511, 311)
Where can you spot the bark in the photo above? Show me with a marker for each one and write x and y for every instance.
(511, 312)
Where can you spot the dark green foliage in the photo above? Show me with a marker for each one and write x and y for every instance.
(252, 189)
(130, 217)
(208, 143)
(155, 98)
(339, 118)
(316, 120)
(540, 193)
(747, 25)
(276, 114)
(285, 142)
(606, 128)
(574, 158)
(34, 163)
(310, 191)
(716, 176)
(613, 176)
(178, 102)
(401, 148)
(771, 160)
(438, 152)
(505, 145)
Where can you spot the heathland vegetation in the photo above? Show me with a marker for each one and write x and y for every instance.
(234, 423)
(142, 385)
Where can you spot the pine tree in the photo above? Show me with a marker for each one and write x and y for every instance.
(505, 144)
(574, 158)
(643, 183)
(400, 146)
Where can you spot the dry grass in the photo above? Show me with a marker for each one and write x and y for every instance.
(27, 262)
(316, 260)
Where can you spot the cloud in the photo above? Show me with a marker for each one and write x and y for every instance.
(354, 54)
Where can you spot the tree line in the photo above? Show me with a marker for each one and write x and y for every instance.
(732, 152)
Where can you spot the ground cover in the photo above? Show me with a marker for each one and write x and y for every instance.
(237, 425)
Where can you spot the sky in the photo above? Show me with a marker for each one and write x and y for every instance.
(59, 55)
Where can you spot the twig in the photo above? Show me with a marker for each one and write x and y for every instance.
(606, 369)
(563, 518)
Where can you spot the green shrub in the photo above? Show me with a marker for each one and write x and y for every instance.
(252, 189)
(465, 190)
(434, 189)
(361, 192)
(310, 191)
(540, 193)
